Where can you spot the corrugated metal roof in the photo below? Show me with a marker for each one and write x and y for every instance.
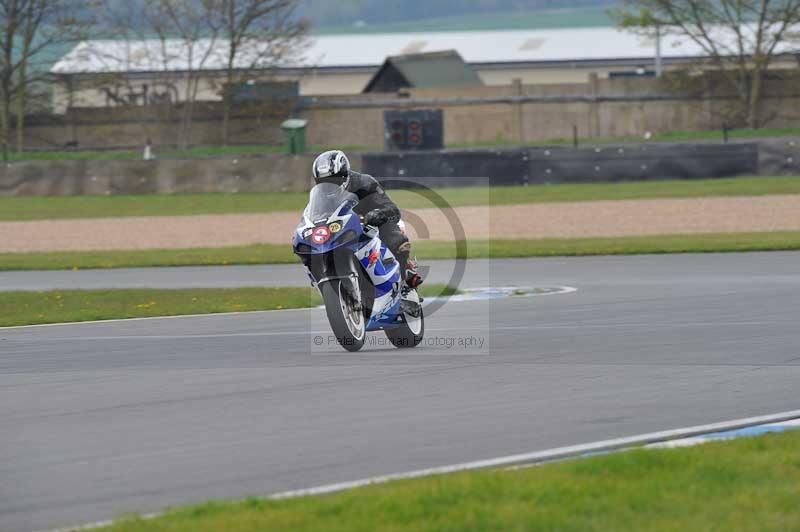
(370, 50)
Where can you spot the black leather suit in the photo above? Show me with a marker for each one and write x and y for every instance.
(371, 196)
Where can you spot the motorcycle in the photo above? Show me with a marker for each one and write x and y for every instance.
(360, 280)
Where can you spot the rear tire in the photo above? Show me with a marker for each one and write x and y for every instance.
(347, 323)
(409, 333)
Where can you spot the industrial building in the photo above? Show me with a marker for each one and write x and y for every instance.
(109, 73)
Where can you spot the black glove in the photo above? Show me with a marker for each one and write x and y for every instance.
(375, 217)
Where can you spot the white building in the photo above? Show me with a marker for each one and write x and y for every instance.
(104, 73)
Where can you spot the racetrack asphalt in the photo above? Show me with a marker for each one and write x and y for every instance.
(100, 419)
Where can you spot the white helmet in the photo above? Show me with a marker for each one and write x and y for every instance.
(331, 167)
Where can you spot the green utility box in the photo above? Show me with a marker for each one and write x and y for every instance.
(295, 131)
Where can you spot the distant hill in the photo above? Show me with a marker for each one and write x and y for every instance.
(325, 13)
(390, 16)
(387, 16)
(376, 16)
(575, 17)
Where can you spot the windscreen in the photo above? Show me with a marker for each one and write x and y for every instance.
(324, 199)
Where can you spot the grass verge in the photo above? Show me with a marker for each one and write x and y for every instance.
(554, 18)
(633, 245)
(424, 250)
(666, 136)
(20, 208)
(741, 484)
(189, 153)
(60, 306)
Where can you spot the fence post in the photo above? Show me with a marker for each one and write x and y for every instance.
(594, 111)
(517, 110)
(574, 135)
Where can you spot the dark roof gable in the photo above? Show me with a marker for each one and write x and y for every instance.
(434, 69)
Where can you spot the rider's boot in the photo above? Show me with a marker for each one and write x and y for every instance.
(413, 278)
(409, 266)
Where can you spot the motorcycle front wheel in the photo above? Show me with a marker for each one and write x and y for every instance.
(344, 314)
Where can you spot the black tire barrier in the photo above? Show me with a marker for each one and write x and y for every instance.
(542, 165)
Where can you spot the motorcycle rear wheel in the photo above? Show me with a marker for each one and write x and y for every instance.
(409, 333)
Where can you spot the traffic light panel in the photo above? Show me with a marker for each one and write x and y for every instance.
(414, 129)
(414, 132)
(397, 132)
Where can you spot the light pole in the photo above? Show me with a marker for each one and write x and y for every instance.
(658, 51)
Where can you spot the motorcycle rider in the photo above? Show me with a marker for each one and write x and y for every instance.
(376, 208)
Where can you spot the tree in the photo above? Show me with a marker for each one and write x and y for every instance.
(187, 31)
(739, 39)
(201, 45)
(33, 29)
(257, 35)
(145, 39)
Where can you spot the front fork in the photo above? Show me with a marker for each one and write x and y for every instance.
(338, 266)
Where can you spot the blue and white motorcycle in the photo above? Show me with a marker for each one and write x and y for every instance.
(358, 276)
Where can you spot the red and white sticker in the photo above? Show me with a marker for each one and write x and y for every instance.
(321, 234)
(373, 257)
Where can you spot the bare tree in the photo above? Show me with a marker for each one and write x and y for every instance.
(196, 45)
(141, 40)
(187, 31)
(256, 35)
(33, 28)
(740, 39)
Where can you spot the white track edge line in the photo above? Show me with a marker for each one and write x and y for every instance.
(549, 454)
(563, 290)
(556, 453)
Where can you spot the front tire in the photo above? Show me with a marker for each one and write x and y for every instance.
(409, 333)
(347, 321)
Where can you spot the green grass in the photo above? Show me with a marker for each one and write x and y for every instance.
(735, 186)
(66, 207)
(28, 308)
(60, 306)
(687, 136)
(194, 152)
(19, 208)
(743, 484)
(110, 155)
(633, 245)
(423, 249)
(244, 150)
(668, 136)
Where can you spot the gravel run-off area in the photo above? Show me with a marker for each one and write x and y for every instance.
(542, 220)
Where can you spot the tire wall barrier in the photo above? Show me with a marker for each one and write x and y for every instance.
(443, 168)
(587, 165)
(638, 163)
(265, 173)
(449, 168)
